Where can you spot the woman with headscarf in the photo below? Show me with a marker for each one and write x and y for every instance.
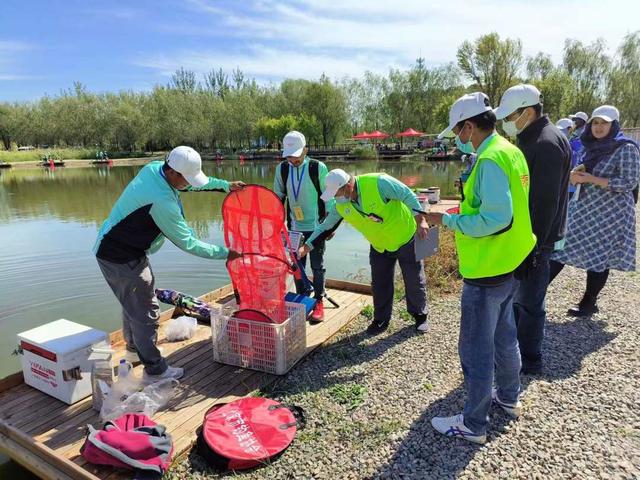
(601, 227)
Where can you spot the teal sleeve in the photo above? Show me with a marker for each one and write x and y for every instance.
(331, 220)
(278, 187)
(322, 173)
(172, 224)
(393, 189)
(496, 208)
(216, 184)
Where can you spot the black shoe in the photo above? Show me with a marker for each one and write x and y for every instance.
(377, 327)
(583, 310)
(531, 369)
(421, 325)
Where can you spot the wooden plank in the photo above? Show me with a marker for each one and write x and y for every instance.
(348, 286)
(30, 460)
(65, 466)
(11, 381)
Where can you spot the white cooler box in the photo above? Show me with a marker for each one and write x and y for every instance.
(55, 358)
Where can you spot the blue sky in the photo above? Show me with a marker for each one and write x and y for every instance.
(111, 45)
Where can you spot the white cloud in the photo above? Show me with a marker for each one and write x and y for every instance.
(10, 59)
(347, 37)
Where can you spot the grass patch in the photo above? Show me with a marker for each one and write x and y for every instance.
(428, 386)
(398, 290)
(367, 312)
(406, 316)
(351, 395)
(364, 152)
(443, 276)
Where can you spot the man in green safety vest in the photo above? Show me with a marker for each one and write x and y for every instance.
(388, 214)
(493, 238)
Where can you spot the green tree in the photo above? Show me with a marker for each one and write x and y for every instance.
(589, 67)
(624, 83)
(493, 64)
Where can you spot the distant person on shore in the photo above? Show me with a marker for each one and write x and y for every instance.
(388, 214)
(148, 210)
(299, 182)
(493, 238)
(601, 228)
(548, 156)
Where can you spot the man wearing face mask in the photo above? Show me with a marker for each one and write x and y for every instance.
(388, 214)
(149, 210)
(493, 237)
(548, 156)
(299, 180)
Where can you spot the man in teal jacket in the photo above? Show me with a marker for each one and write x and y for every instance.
(148, 210)
(300, 180)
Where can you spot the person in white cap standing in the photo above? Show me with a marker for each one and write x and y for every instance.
(565, 125)
(601, 229)
(299, 181)
(579, 121)
(493, 237)
(548, 156)
(389, 215)
(148, 210)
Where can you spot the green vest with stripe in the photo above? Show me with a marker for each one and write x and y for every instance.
(397, 226)
(503, 251)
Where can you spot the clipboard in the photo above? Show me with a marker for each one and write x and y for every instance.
(429, 246)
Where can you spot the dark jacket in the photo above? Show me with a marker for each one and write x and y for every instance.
(548, 155)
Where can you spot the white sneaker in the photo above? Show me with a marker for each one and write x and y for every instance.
(512, 409)
(171, 372)
(423, 327)
(133, 357)
(455, 427)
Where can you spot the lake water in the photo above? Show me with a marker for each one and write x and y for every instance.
(49, 221)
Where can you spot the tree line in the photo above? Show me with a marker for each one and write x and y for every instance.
(222, 110)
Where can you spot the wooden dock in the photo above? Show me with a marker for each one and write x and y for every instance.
(45, 435)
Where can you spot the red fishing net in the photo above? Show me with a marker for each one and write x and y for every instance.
(254, 226)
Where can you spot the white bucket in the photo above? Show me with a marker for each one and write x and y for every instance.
(433, 194)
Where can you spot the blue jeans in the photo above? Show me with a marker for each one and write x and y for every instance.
(488, 343)
(529, 310)
(317, 267)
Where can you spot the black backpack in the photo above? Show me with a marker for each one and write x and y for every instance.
(314, 167)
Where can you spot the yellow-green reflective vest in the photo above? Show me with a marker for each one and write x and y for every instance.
(397, 226)
(503, 251)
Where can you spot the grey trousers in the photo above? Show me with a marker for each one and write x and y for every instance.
(133, 285)
(383, 267)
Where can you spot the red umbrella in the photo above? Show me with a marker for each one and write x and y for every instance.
(378, 134)
(409, 132)
(361, 136)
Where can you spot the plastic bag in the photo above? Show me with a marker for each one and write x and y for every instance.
(132, 395)
(181, 328)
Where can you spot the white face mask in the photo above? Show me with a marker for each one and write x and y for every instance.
(510, 128)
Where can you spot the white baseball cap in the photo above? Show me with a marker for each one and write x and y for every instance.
(186, 161)
(581, 116)
(523, 95)
(467, 106)
(564, 123)
(335, 180)
(607, 113)
(292, 144)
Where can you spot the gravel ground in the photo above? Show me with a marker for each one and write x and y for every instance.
(369, 401)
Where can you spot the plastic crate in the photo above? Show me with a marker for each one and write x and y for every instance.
(267, 347)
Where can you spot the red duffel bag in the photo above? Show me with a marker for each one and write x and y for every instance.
(247, 433)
